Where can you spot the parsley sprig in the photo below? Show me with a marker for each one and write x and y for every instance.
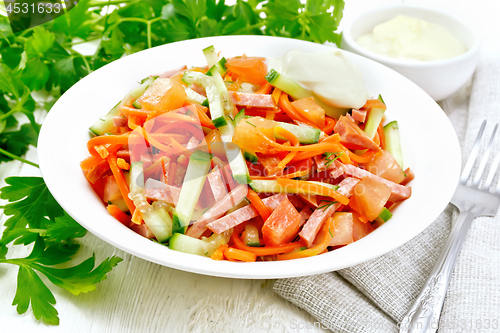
(327, 205)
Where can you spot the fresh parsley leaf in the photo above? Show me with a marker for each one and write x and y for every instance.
(64, 228)
(39, 43)
(81, 278)
(331, 157)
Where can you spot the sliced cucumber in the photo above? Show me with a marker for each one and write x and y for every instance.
(393, 142)
(227, 103)
(158, 221)
(215, 240)
(194, 97)
(186, 244)
(374, 118)
(137, 104)
(306, 135)
(213, 95)
(384, 216)
(197, 170)
(251, 236)
(295, 90)
(272, 186)
(237, 164)
(213, 59)
(105, 124)
(252, 158)
(240, 116)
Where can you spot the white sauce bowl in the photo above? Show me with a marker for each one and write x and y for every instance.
(440, 78)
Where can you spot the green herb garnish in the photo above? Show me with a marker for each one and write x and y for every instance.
(330, 203)
(250, 123)
(331, 157)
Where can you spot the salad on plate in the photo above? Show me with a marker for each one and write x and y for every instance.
(250, 159)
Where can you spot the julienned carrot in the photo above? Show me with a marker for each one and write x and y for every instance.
(316, 147)
(265, 88)
(120, 140)
(219, 252)
(276, 95)
(304, 187)
(204, 120)
(254, 198)
(300, 169)
(326, 233)
(122, 164)
(120, 180)
(293, 140)
(365, 158)
(285, 105)
(119, 215)
(137, 217)
(266, 250)
(102, 151)
(232, 253)
(128, 111)
(134, 122)
(374, 103)
(381, 133)
(330, 124)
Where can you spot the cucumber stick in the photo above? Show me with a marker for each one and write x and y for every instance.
(237, 163)
(272, 186)
(251, 236)
(295, 90)
(155, 216)
(227, 103)
(105, 124)
(187, 244)
(384, 216)
(197, 170)
(306, 135)
(194, 97)
(213, 96)
(393, 142)
(374, 118)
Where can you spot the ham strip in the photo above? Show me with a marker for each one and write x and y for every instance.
(335, 168)
(320, 215)
(351, 134)
(243, 214)
(398, 192)
(156, 190)
(305, 214)
(252, 100)
(220, 208)
(120, 121)
(359, 115)
(219, 189)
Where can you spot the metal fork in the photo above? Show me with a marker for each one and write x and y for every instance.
(472, 200)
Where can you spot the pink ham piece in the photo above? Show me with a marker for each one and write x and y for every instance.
(352, 136)
(120, 121)
(252, 100)
(398, 192)
(243, 214)
(219, 189)
(359, 115)
(220, 208)
(305, 214)
(320, 215)
(335, 168)
(156, 190)
(342, 229)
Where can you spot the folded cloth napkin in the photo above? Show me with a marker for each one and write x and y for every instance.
(375, 296)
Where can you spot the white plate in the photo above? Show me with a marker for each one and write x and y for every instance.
(429, 137)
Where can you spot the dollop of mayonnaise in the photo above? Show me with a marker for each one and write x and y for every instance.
(329, 74)
(410, 38)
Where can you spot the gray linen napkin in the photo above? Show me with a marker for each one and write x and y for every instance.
(374, 296)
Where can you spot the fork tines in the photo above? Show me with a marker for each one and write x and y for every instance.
(467, 171)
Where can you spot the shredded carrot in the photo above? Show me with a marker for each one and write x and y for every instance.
(90, 162)
(121, 139)
(365, 158)
(122, 164)
(304, 187)
(374, 103)
(134, 122)
(102, 151)
(263, 210)
(276, 95)
(381, 134)
(137, 217)
(270, 114)
(293, 140)
(219, 252)
(326, 233)
(317, 147)
(266, 250)
(232, 253)
(330, 124)
(128, 111)
(265, 88)
(120, 180)
(202, 115)
(119, 215)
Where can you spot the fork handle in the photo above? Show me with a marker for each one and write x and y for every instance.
(424, 313)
